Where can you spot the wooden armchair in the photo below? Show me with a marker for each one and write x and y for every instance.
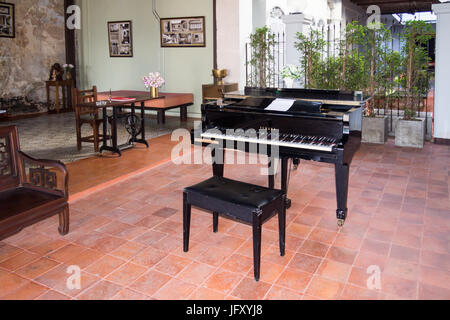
(86, 115)
(30, 190)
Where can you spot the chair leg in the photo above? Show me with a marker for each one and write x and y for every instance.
(96, 137)
(215, 222)
(186, 222)
(78, 136)
(282, 226)
(64, 221)
(257, 226)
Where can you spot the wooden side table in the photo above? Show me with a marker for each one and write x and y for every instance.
(212, 91)
(65, 85)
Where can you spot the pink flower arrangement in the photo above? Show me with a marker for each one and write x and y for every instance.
(154, 80)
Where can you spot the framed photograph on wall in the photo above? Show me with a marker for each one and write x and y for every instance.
(7, 20)
(120, 39)
(183, 32)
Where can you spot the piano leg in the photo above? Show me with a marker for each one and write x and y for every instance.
(342, 176)
(218, 168)
(284, 179)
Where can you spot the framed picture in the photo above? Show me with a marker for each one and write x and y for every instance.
(183, 32)
(120, 39)
(7, 20)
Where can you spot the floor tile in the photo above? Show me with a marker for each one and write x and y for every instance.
(223, 281)
(102, 290)
(249, 289)
(126, 274)
(325, 288)
(295, 280)
(175, 289)
(150, 282)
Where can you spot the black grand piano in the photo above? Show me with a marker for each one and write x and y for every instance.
(318, 125)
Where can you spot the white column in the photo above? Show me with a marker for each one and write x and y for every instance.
(259, 15)
(294, 23)
(442, 94)
(228, 42)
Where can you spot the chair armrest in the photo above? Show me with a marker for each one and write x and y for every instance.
(45, 175)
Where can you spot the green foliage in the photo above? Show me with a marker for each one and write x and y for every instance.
(262, 58)
(416, 83)
(366, 62)
(312, 47)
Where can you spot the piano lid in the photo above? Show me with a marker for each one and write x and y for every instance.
(327, 97)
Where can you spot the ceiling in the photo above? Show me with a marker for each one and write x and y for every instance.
(398, 6)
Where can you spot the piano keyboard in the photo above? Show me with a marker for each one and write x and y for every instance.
(284, 140)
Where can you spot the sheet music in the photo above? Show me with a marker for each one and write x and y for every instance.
(282, 105)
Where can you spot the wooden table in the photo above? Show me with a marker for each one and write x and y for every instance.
(115, 148)
(65, 85)
(170, 101)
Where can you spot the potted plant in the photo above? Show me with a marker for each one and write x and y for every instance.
(68, 69)
(410, 130)
(290, 73)
(262, 59)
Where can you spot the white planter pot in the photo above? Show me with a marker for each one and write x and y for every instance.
(289, 83)
(375, 130)
(410, 133)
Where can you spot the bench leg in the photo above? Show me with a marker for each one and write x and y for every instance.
(257, 226)
(186, 223)
(215, 222)
(282, 226)
(64, 221)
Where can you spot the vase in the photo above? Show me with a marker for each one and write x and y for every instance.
(68, 75)
(154, 92)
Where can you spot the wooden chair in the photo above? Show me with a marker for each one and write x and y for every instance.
(30, 190)
(85, 115)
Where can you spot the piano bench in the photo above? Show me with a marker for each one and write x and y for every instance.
(239, 201)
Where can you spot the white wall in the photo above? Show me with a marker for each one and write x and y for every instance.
(185, 69)
(442, 95)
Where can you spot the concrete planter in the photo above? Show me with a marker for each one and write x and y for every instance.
(375, 130)
(410, 133)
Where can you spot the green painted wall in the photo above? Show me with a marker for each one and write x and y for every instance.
(185, 69)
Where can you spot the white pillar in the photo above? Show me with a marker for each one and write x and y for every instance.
(442, 93)
(294, 23)
(228, 41)
(259, 15)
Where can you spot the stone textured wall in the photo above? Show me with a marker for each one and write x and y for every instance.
(25, 61)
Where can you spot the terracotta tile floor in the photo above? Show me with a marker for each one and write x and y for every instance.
(88, 175)
(127, 238)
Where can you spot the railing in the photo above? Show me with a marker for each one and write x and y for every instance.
(390, 100)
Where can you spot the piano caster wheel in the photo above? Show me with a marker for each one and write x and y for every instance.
(340, 223)
(288, 204)
(296, 164)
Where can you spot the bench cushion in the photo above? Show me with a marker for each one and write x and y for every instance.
(235, 192)
(21, 200)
